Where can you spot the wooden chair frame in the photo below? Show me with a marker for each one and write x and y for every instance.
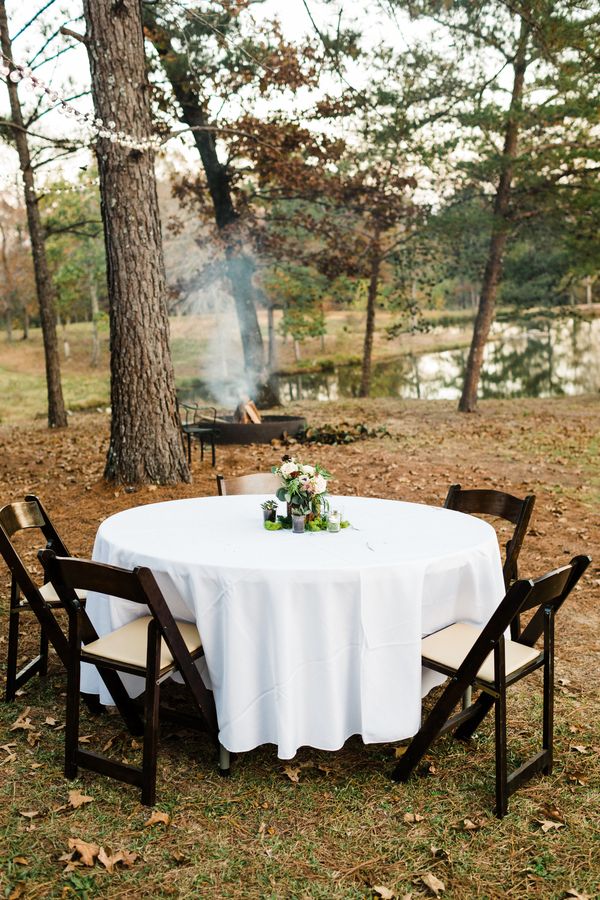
(197, 425)
(24, 593)
(15, 517)
(138, 586)
(254, 483)
(546, 595)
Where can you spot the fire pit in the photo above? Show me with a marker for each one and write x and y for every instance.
(263, 432)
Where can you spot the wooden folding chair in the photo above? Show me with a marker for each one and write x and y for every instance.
(503, 506)
(152, 646)
(25, 595)
(485, 658)
(256, 483)
(43, 601)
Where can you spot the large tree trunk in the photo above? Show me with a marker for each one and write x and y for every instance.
(499, 236)
(367, 360)
(57, 414)
(145, 440)
(240, 267)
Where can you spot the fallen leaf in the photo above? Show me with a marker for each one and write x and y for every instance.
(33, 738)
(17, 891)
(292, 774)
(29, 814)
(50, 720)
(109, 862)
(158, 818)
(433, 884)
(383, 892)
(21, 860)
(572, 893)
(180, 858)
(77, 799)
(129, 857)
(548, 824)
(473, 824)
(438, 852)
(400, 751)
(86, 852)
(410, 818)
(578, 748)
(23, 722)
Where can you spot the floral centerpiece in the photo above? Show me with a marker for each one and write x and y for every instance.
(303, 487)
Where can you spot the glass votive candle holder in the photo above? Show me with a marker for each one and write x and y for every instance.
(333, 520)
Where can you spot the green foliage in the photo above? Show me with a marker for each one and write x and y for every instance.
(75, 247)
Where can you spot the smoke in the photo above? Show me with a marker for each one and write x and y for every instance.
(206, 334)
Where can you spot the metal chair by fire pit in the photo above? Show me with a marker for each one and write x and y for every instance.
(198, 422)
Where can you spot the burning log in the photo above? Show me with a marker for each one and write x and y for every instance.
(246, 412)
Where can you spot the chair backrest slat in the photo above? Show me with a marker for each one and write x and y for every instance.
(81, 574)
(255, 483)
(18, 516)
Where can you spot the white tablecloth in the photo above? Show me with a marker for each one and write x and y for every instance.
(308, 638)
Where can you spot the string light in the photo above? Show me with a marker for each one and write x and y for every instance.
(107, 130)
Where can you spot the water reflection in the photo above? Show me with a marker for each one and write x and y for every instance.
(544, 359)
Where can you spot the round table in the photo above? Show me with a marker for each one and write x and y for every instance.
(309, 638)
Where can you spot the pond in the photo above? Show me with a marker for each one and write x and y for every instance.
(537, 359)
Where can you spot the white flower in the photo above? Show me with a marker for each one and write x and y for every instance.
(289, 468)
(319, 484)
(304, 479)
(308, 470)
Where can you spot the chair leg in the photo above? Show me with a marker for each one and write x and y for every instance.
(151, 712)
(418, 747)
(72, 717)
(201, 450)
(43, 667)
(548, 714)
(501, 770)
(213, 452)
(189, 448)
(467, 699)
(13, 651)
(483, 705)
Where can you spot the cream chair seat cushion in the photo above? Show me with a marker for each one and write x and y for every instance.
(50, 596)
(450, 646)
(129, 644)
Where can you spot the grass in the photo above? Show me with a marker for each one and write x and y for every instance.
(341, 830)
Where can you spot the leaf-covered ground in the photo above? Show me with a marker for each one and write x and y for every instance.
(324, 825)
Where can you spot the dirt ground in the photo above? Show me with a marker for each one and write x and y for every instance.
(550, 448)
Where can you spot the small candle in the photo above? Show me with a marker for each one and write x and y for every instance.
(333, 520)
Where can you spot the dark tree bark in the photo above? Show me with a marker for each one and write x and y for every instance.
(367, 360)
(240, 267)
(145, 440)
(499, 236)
(57, 414)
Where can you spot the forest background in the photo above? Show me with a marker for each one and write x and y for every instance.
(334, 182)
